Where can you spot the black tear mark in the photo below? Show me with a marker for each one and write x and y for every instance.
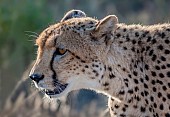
(54, 76)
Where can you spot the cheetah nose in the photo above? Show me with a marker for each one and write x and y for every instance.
(36, 77)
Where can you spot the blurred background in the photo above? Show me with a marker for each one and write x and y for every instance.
(22, 20)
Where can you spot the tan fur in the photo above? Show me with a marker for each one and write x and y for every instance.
(111, 58)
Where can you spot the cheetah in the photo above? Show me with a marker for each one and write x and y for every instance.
(128, 63)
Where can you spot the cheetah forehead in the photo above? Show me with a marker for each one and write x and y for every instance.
(76, 25)
(79, 25)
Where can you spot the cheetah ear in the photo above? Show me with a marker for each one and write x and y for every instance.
(107, 25)
(73, 14)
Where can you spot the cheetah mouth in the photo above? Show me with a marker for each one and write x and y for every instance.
(58, 90)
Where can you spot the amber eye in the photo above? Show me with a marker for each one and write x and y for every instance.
(60, 51)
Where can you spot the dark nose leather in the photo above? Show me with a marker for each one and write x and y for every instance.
(36, 77)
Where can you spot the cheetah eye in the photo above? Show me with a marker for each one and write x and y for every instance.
(60, 51)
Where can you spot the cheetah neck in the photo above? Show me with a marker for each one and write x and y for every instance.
(119, 67)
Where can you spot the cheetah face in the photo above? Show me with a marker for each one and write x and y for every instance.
(70, 53)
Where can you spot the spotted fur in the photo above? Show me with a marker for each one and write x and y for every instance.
(128, 63)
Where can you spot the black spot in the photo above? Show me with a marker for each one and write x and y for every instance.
(154, 57)
(163, 99)
(136, 34)
(120, 42)
(124, 109)
(125, 48)
(109, 68)
(146, 77)
(146, 101)
(136, 88)
(160, 47)
(122, 115)
(168, 74)
(145, 85)
(149, 39)
(86, 66)
(123, 69)
(134, 106)
(167, 41)
(127, 38)
(163, 58)
(133, 49)
(138, 98)
(163, 35)
(124, 30)
(160, 82)
(135, 66)
(77, 57)
(169, 85)
(122, 92)
(119, 65)
(142, 93)
(147, 48)
(157, 67)
(143, 49)
(159, 94)
(134, 41)
(95, 65)
(150, 53)
(105, 67)
(111, 76)
(135, 73)
(130, 91)
(161, 106)
(106, 84)
(83, 61)
(146, 93)
(136, 81)
(154, 89)
(97, 74)
(163, 67)
(167, 51)
(151, 98)
(146, 32)
(141, 79)
(153, 41)
(155, 105)
(167, 115)
(139, 42)
(118, 35)
(126, 84)
(168, 29)
(83, 70)
(150, 109)
(126, 80)
(168, 95)
(129, 101)
(142, 109)
(129, 76)
(161, 75)
(164, 88)
(153, 73)
(158, 61)
(168, 65)
(153, 82)
(146, 67)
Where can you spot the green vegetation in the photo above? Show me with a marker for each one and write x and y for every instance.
(17, 18)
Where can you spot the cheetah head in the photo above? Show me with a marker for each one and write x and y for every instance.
(71, 53)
